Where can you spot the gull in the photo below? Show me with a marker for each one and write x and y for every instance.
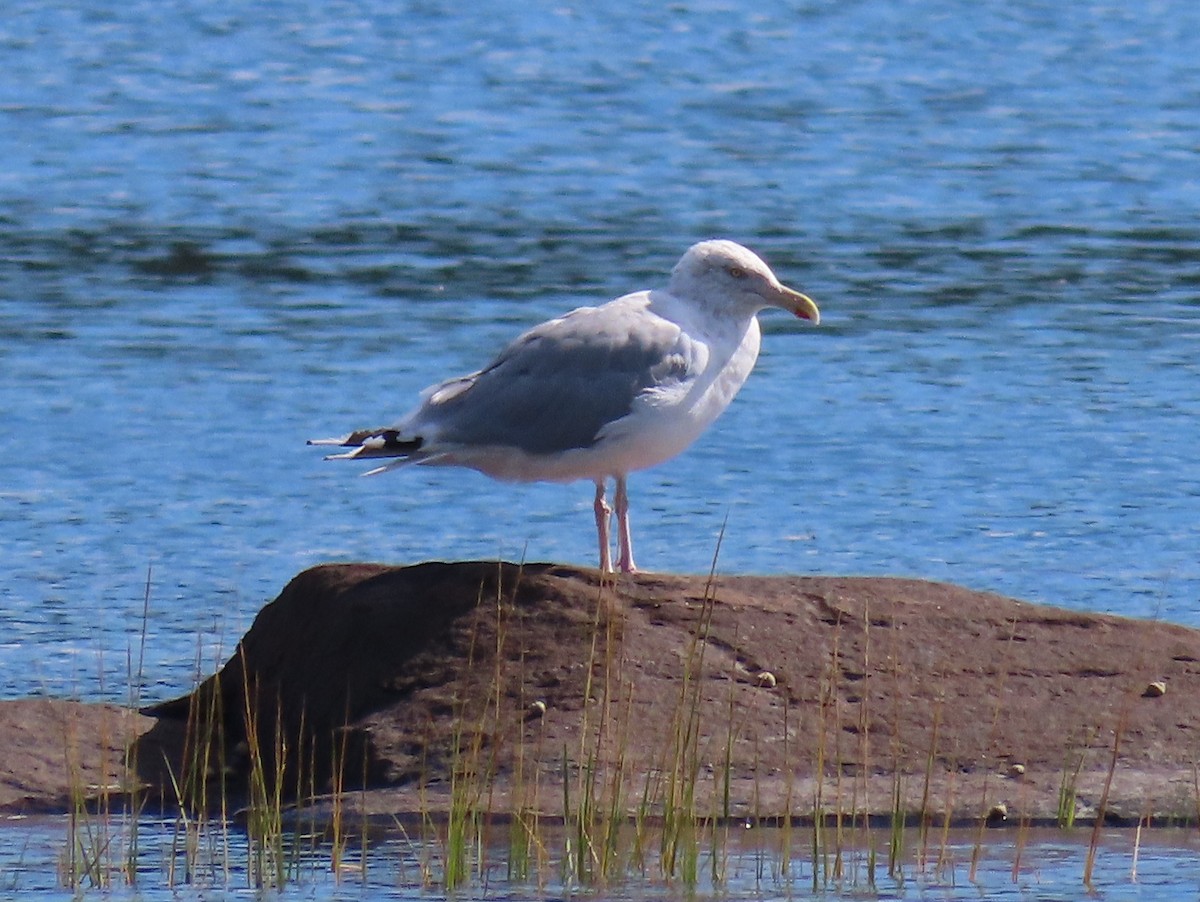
(601, 391)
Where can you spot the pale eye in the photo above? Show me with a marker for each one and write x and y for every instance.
(736, 272)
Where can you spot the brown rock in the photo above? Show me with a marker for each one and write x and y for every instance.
(399, 677)
(408, 673)
(56, 753)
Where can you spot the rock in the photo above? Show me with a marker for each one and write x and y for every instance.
(1157, 689)
(395, 678)
(55, 753)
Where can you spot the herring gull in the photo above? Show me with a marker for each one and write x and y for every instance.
(601, 391)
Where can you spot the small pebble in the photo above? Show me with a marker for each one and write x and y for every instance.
(1157, 689)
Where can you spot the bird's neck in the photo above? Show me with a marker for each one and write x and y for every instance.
(696, 318)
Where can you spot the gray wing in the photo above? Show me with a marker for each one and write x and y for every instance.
(557, 385)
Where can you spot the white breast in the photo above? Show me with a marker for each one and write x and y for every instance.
(663, 423)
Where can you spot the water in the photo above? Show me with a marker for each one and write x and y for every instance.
(1048, 866)
(228, 228)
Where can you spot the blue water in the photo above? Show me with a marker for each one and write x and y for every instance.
(226, 228)
(1049, 865)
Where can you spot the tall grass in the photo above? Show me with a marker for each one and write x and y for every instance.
(103, 844)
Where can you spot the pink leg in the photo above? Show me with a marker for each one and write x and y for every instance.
(603, 513)
(624, 536)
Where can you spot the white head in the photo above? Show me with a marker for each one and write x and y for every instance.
(736, 279)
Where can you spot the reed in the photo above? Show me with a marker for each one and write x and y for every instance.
(1102, 807)
(925, 815)
(1023, 825)
(338, 836)
(943, 860)
(201, 780)
(896, 827)
(864, 739)
(524, 856)
(993, 734)
(785, 837)
(466, 785)
(827, 710)
(263, 814)
(1069, 779)
(679, 847)
(589, 834)
(87, 841)
(720, 817)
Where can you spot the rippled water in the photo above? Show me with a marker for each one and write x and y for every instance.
(226, 228)
(1046, 866)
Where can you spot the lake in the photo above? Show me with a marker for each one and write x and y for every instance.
(227, 228)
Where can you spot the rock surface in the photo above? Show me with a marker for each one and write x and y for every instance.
(56, 753)
(781, 694)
